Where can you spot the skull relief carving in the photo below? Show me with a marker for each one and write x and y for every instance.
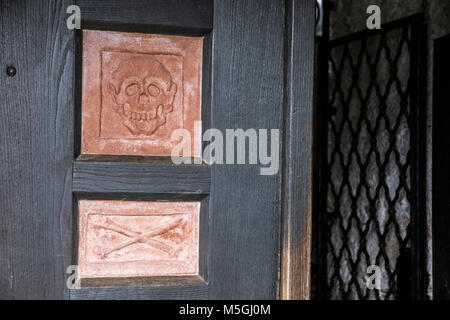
(143, 93)
(137, 89)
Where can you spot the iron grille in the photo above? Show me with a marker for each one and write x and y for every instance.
(370, 182)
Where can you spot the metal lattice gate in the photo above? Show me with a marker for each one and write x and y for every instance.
(370, 207)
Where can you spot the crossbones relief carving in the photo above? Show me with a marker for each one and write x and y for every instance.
(138, 237)
(143, 92)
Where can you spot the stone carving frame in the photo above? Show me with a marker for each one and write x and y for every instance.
(106, 54)
(114, 273)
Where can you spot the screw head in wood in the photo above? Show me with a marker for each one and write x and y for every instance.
(11, 71)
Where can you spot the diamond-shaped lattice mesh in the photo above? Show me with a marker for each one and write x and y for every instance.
(368, 214)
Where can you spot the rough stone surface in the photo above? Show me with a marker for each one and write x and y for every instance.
(137, 239)
(350, 16)
(137, 89)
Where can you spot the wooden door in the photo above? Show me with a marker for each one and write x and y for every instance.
(256, 72)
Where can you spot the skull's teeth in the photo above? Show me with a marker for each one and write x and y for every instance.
(140, 116)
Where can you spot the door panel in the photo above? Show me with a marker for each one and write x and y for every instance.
(36, 149)
(254, 234)
(247, 93)
(145, 179)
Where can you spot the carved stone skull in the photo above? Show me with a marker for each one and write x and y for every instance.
(143, 92)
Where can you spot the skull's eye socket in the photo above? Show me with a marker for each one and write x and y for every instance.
(153, 90)
(132, 89)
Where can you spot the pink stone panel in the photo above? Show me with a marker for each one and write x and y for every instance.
(136, 90)
(137, 239)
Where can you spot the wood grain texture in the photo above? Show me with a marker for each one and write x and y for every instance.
(143, 281)
(251, 87)
(159, 16)
(194, 292)
(297, 151)
(247, 93)
(140, 178)
(36, 116)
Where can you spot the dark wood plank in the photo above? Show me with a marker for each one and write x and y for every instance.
(199, 292)
(36, 120)
(441, 170)
(160, 16)
(142, 281)
(297, 153)
(117, 177)
(247, 93)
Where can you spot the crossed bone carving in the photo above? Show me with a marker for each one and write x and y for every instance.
(138, 237)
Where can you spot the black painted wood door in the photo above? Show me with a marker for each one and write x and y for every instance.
(258, 73)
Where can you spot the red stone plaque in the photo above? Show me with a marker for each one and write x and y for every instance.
(137, 239)
(137, 89)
